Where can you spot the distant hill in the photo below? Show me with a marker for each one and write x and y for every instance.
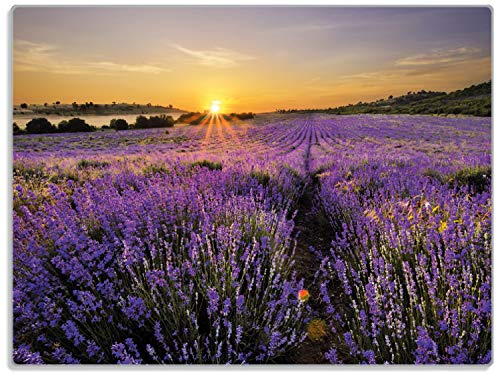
(474, 100)
(89, 108)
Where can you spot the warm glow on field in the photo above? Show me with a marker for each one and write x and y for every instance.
(215, 108)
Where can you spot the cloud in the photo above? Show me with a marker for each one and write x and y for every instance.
(111, 66)
(439, 56)
(217, 57)
(337, 24)
(435, 63)
(380, 75)
(470, 66)
(47, 58)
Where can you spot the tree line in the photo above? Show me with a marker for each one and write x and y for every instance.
(474, 100)
(89, 107)
(44, 126)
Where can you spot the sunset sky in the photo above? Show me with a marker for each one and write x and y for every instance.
(249, 58)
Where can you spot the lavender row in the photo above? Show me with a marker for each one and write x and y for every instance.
(192, 266)
(412, 255)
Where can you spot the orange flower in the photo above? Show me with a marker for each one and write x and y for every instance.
(303, 295)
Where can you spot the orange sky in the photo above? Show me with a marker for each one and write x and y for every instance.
(251, 59)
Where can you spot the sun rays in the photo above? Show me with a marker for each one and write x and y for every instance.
(216, 128)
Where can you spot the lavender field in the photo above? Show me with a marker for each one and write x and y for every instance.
(286, 239)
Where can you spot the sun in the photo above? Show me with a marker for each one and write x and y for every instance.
(215, 106)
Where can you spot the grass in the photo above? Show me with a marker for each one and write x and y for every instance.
(87, 164)
(476, 178)
(211, 165)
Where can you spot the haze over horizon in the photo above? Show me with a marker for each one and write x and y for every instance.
(248, 58)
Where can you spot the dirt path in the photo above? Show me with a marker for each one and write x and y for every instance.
(312, 230)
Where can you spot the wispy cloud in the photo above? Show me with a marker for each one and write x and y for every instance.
(217, 57)
(434, 63)
(439, 56)
(338, 24)
(41, 57)
(111, 66)
(380, 75)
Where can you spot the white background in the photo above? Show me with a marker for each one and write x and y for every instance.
(6, 185)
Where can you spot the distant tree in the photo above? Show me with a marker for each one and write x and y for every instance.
(74, 105)
(24, 106)
(58, 102)
(244, 116)
(118, 124)
(161, 121)
(141, 122)
(45, 104)
(148, 105)
(170, 106)
(62, 126)
(17, 130)
(114, 102)
(189, 117)
(40, 126)
(390, 97)
(75, 125)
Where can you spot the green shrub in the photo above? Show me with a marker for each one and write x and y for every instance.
(118, 124)
(154, 122)
(189, 117)
(17, 129)
(436, 175)
(75, 125)
(476, 178)
(262, 177)
(207, 164)
(40, 126)
(86, 164)
(155, 169)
